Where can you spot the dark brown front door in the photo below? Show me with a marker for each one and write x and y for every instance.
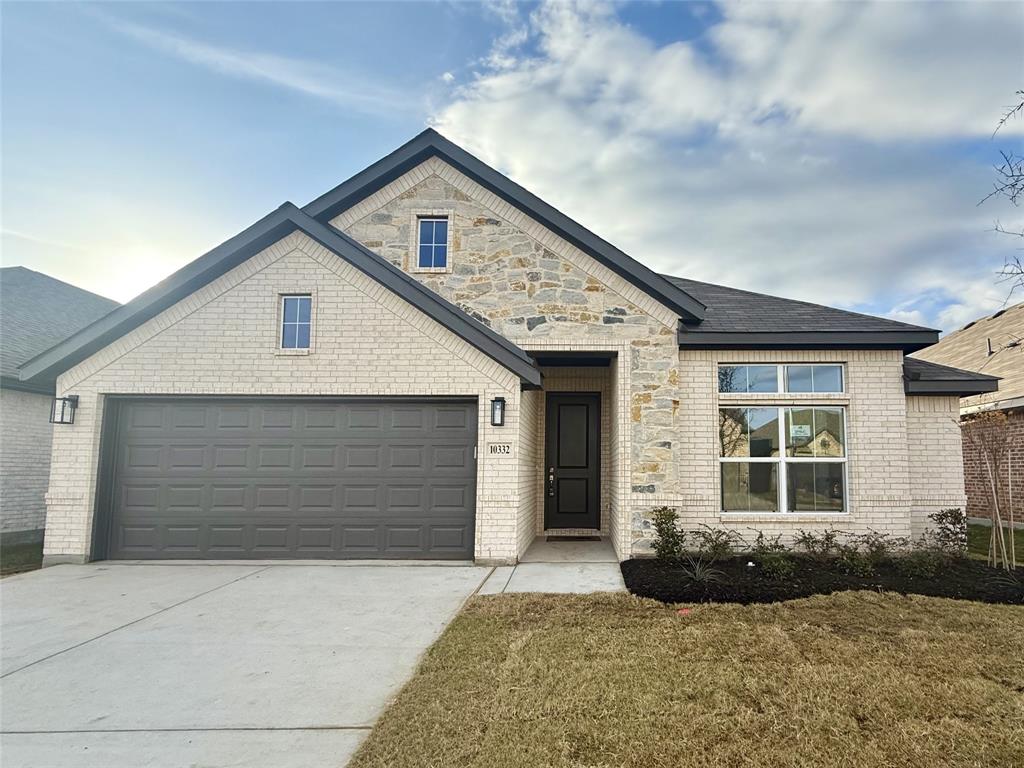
(572, 469)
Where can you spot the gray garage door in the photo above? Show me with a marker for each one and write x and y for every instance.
(292, 479)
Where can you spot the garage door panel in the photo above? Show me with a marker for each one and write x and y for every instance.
(223, 479)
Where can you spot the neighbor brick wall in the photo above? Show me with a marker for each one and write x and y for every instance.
(25, 444)
(1011, 475)
(222, 340)
(936, 464)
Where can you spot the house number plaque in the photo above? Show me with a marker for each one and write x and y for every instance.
(499, 449)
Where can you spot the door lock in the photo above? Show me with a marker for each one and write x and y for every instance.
(551, 481)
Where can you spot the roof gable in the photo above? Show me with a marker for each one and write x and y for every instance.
(430, 143)
(38, 311)
(265, 232)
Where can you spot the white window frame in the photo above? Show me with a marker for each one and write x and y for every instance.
(414, 239)
(782, 460)
(279, 341)
(783, 380)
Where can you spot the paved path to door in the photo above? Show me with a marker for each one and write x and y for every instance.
(215, 665)
(575, 567)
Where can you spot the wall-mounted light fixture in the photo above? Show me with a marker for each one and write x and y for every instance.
(62, 410)
(498, 412)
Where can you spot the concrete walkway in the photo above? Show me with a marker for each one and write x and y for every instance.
(577, 567)
(214, 665)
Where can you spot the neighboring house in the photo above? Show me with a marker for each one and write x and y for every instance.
(428, 361)
(36, 312)
(993, 345)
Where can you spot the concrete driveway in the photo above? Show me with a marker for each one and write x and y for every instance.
(211, 665)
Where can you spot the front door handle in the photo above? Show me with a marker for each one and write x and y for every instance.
(551, 481)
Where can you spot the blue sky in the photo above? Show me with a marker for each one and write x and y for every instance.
(829, 152)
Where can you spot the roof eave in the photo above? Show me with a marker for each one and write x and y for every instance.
(958, 388)
(908, 341)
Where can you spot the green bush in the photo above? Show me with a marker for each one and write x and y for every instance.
(950, 531)
(669, 541)
(715, 544)
(854, 561)
(777, 566)
(819, 546)
(921, 563)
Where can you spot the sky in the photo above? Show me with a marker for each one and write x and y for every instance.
(830, 152)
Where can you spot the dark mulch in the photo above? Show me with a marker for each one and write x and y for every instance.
(741, 583)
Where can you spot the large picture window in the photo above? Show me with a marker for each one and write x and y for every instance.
(788, 458)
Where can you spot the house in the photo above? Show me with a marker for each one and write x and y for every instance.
(36, 312)
(993, 345)
(428, 361)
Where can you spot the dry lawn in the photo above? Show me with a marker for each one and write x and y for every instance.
(852, 679)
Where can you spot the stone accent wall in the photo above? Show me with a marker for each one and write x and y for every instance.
(878, 480)
(537, 290)
(978, 487)
(936, 464)
(222, 340)
(25, 443)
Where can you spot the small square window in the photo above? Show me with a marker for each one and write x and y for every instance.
(296, 321)
(432, 245)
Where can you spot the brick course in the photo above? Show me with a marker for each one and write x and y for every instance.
(25, 443)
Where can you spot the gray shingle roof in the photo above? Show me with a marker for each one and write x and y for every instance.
(38, 311)
(730, 310)
(922, 377)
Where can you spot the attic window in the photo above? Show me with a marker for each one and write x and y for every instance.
(432, 244)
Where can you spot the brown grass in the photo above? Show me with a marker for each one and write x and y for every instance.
(851, 679)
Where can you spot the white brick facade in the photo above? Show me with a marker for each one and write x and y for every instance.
(25, 441)
(659, 406)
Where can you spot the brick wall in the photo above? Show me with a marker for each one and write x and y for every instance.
(936, 466)
(25, 442)
(1010, 475)
(222, 340)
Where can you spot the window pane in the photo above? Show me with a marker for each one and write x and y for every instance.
(815, 487)
(815, 432)
(828, 378)
(426, 232)
(440, 255)
(426, 256)
(732, 378)
(302, 336)
(305, 303)
(800, 431)
(749, 487)
(799, 378)
(441, 232)
(288, 336)
(762, 378)
(749, 432)
(290, 310)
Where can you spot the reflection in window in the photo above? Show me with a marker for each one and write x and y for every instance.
(814, 378)
(296, 321)
(750, 487)
(748, 378)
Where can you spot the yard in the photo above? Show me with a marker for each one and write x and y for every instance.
(851, 679)
(978, 537)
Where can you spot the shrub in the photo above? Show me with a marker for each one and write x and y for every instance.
(764, 546)
(950, 531)
(876, 546)
(715, 543)
(669, 541)
(921, 563)
(777, 566)
(854, 561)
(818, 546)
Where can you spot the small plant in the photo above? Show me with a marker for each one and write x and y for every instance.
(819, 546)
(921, 563)
(669, 540)
(877, 546)
(764, 546)
(716, 544)
(699, 570)
(854, 561)
(949, 531)
(773, 557)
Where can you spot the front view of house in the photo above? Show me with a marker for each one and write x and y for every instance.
(430, 362)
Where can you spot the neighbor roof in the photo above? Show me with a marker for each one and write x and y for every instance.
(921, 377)
(432, 144)
(36, 312)
(993, 344)
(737, 319)
(265, 232)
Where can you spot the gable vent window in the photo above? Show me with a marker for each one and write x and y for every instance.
(296, 321)
(433, 243)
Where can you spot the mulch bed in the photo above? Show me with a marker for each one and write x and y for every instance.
(741, 583)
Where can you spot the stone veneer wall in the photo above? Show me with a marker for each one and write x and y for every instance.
(25, 443)
(936, 463)
(539, 291)
(222, 340)
(878, 479)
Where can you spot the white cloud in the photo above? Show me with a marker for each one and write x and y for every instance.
(346, 89)
(790, 150)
